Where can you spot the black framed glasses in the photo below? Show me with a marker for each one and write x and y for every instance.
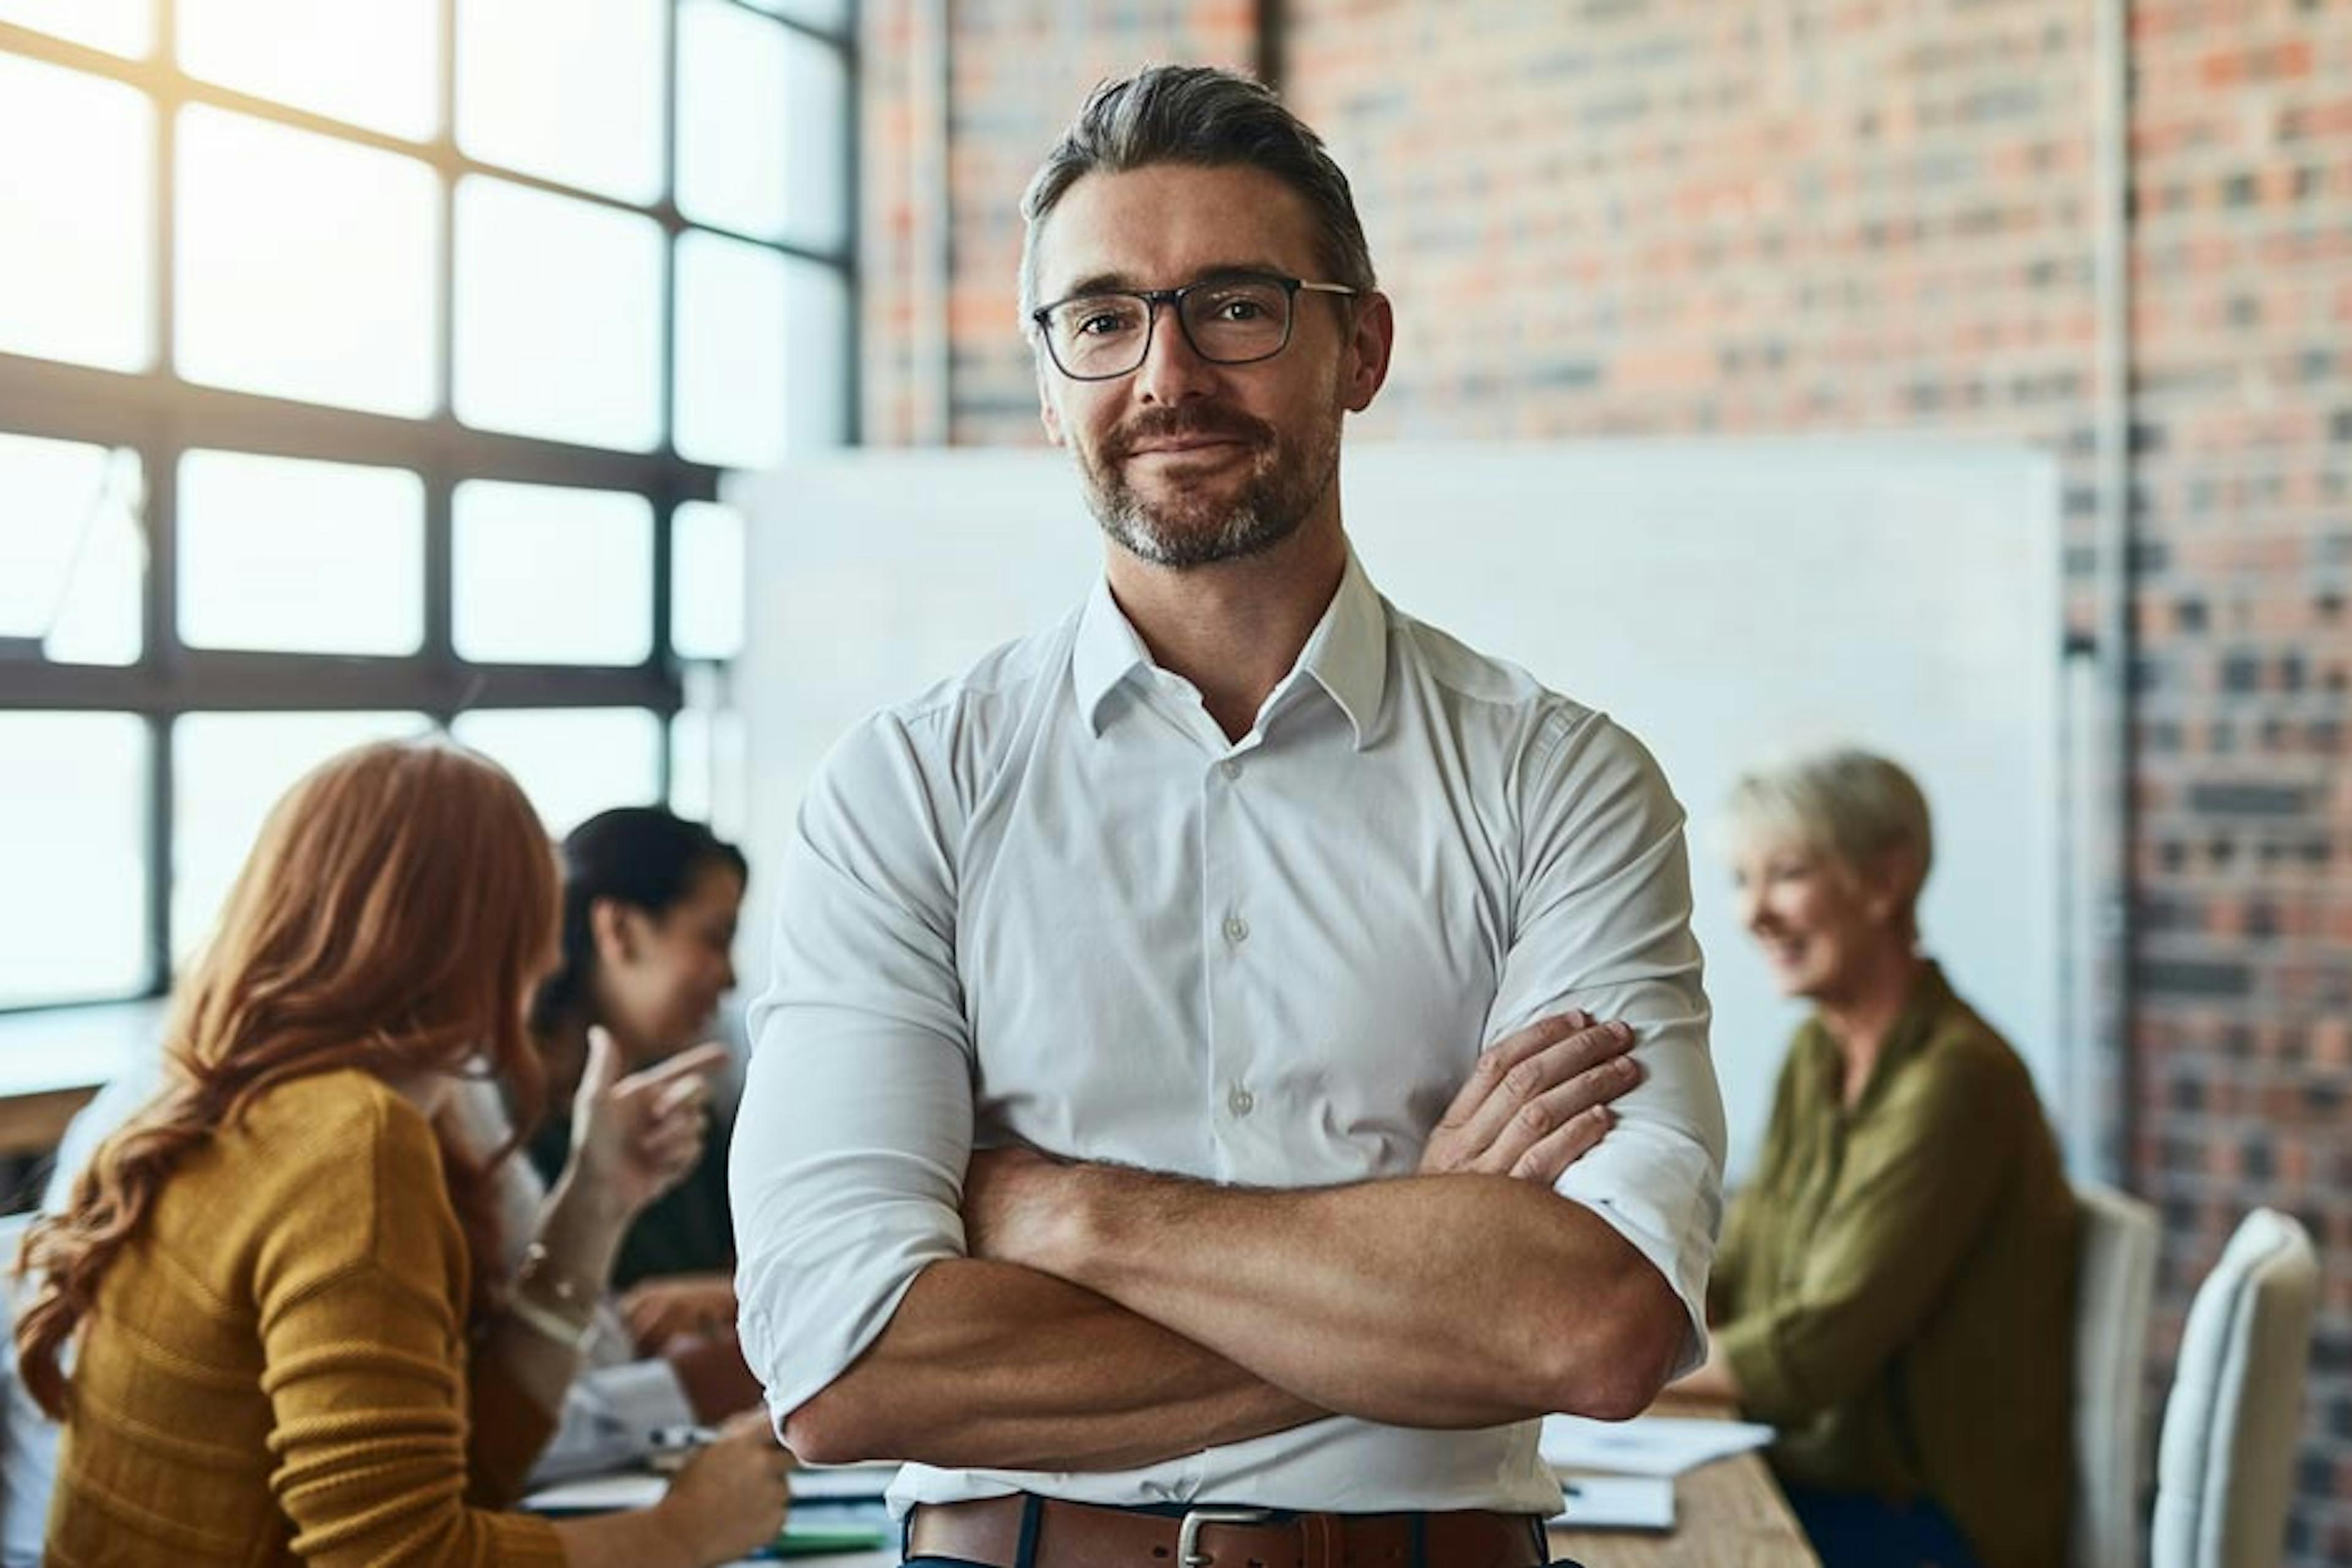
(1231, 318)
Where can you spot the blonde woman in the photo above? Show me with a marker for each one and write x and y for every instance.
(292, 1339)
(1894, 1287)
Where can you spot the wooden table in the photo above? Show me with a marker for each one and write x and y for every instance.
(1728, 1514)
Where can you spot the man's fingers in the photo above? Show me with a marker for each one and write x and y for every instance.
(1544, 1160)
(1557, 1107)
(1527, 1082)
(1499, 1060)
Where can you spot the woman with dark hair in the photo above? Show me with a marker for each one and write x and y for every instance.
(293, 1337)
(650, 905)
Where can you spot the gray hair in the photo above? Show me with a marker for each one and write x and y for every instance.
(1211, 119)
(1857, 808)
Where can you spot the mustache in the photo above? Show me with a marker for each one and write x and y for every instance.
(1186, 421)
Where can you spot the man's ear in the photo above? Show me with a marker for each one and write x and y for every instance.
(1372, 339)
(1047, 414)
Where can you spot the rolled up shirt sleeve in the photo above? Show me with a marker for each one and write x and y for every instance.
(848, 1164)
(1602, 924)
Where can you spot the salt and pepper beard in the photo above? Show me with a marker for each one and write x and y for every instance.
(1286, 486)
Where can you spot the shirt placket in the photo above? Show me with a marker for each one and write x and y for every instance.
(1227, 938)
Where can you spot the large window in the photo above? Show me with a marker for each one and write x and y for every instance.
(368, 368)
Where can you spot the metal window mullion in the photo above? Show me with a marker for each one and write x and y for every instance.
(438, 650)
(852, 326)
(845, 41)
(163, 655)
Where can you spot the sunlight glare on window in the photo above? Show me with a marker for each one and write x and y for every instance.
(375, 64)
(572, 761)
(544, 575)
(73, 818)
(125, 27)
(559, 317)
(298, 556)
(706, 581)
(732, 128)
(305, 265)
(228, 771)
(732, 351)
(570, 90)
(72, 552)
(77, 169)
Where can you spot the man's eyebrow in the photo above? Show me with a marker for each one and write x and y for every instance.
(1125, 283)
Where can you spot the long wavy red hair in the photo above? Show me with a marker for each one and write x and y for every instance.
(395, 915)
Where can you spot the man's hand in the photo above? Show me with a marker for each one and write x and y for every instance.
(1011, 1212)
(1538, 1099)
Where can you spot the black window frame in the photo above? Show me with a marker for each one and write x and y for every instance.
(161, 417)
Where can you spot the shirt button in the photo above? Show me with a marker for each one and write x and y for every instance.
(1240, 1101)
(1229, 768)
(1236, 930)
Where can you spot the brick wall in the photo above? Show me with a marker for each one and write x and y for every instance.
(1632, 216)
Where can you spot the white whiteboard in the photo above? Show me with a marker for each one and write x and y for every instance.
(1726, 601)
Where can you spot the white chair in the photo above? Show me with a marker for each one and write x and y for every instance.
(2115, 1284)
(2228, 1454)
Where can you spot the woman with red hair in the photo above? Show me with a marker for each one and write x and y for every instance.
(293, 1336)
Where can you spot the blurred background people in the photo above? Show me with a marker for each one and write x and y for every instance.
(650, 907)
(1894, 1289)
(301, 1206)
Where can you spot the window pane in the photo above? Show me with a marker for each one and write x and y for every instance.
(816, 109)
(228, 771)
(559, 317)
(567, 90)
(707, 769)
(373, 64)
(72, 554)
(706, 581)
(831, 15)
(124, 27)
(731, 123)
(762, 114)
(76, 168)
(546, 575)
(572, 761)
(759, 344)
(280, 553)
(73, 835)
(305, 265)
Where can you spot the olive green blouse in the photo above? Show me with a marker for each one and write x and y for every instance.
(1894, 1289)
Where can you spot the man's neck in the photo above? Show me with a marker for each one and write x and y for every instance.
(1235, 628)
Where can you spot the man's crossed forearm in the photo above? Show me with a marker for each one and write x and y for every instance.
(1107, 1318)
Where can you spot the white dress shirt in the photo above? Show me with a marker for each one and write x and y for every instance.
(1049, 903)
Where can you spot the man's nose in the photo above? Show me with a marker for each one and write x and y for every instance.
(1172, 370)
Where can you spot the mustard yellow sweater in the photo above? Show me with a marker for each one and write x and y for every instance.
(276, 1370)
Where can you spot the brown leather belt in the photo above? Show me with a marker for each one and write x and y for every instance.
(1084, 1535)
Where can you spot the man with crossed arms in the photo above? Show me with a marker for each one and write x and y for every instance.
(1118, 1147)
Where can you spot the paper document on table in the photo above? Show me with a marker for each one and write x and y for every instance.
(641, 1489)
(1647, 1445)
(1616, 1502)
(600, 1494)
(827, 1482)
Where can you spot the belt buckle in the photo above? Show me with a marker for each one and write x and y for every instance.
(1188, 1534)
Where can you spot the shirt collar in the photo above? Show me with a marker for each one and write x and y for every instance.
(1347, 653)
(1108, 651)
(1929, 1000)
